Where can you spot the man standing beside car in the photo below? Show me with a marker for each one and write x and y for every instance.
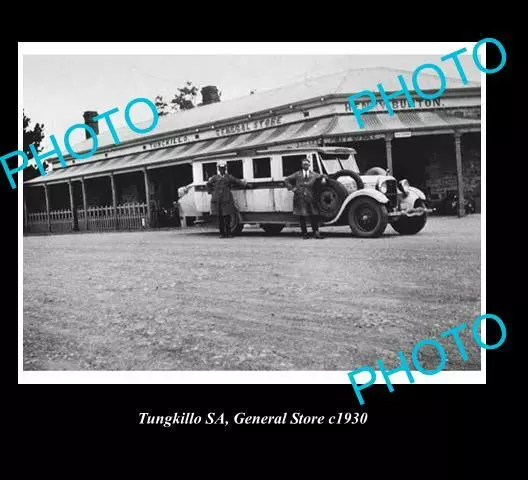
(302, 185)
(222, 202)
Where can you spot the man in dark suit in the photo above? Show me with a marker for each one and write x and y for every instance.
(222, 202)
(302, 184)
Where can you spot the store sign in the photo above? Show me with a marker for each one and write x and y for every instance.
(170, 142)
(251, 126)
(306, 143)
(234, 129)
(357, 138)
(401, 104)
(402, 134)
(419, 104)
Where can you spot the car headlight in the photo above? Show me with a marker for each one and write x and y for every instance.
(382, 187)
(404, 187)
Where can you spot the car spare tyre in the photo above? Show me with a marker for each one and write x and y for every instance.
(376, 171)
(329, 197)
(349, 173)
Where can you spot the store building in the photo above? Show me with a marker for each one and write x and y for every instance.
(435, 145)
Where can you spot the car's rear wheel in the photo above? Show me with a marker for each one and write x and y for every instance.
(235, 223)
(329, 197)
(367, 217)
(411, 225)
(272, 228)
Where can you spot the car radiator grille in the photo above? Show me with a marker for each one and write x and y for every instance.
(392, 193)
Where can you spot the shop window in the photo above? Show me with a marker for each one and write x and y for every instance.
(234, 167)
(209, 169)
(262, 167)
(292, 164)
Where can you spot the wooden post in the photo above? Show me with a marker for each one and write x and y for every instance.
(388, 148)
(460, 178)
(26, 223)
(114, 198)
(75, 223)
(147, 196)
(46, 193)
(85, 204)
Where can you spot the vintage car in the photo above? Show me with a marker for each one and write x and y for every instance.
(367, 203)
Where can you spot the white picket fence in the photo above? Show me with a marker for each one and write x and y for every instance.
(129, 216)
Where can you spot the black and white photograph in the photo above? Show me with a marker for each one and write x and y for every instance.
(234, 212)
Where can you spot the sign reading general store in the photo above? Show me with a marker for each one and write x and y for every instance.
(233, 129)
(244, 127)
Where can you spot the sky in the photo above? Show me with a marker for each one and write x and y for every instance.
(57, 89)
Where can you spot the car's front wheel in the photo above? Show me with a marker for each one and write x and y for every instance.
(411, 225)
(367, 217)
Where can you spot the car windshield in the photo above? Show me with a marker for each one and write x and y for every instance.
(334, 162)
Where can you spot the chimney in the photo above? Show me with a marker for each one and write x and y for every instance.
(88, 120)
(210, 94)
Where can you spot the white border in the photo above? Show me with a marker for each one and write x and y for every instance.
(242, 377)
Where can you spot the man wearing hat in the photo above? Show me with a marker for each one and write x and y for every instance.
(302, 184)
(222, 202)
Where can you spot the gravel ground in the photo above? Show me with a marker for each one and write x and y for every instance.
(187, 300)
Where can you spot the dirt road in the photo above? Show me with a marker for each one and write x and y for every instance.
(187, 300)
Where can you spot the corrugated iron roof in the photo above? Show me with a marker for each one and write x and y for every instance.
(184, 153)
(347, 82)
(409, 120)
(307, 129)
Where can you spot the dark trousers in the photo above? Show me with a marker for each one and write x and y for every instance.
(224, 222)
(313, 220)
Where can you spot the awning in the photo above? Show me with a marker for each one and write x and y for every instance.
(375, 123)
(311, 128)
(401, 121)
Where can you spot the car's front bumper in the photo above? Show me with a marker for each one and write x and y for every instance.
(411, 212)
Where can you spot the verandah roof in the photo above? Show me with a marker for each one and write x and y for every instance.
(284, 134)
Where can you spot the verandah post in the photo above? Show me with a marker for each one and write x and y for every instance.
(75, 223)
(388, 148)
(46, 194)
(85, 205)
(114, 199)
(460, 177)
(147, 195)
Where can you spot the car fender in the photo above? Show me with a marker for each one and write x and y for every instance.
(409, 200)
(364, 192)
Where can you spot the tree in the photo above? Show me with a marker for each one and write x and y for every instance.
(33, 136)
(185, 99)
(161, 106)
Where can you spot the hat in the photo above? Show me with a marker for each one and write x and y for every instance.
(221, 164)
